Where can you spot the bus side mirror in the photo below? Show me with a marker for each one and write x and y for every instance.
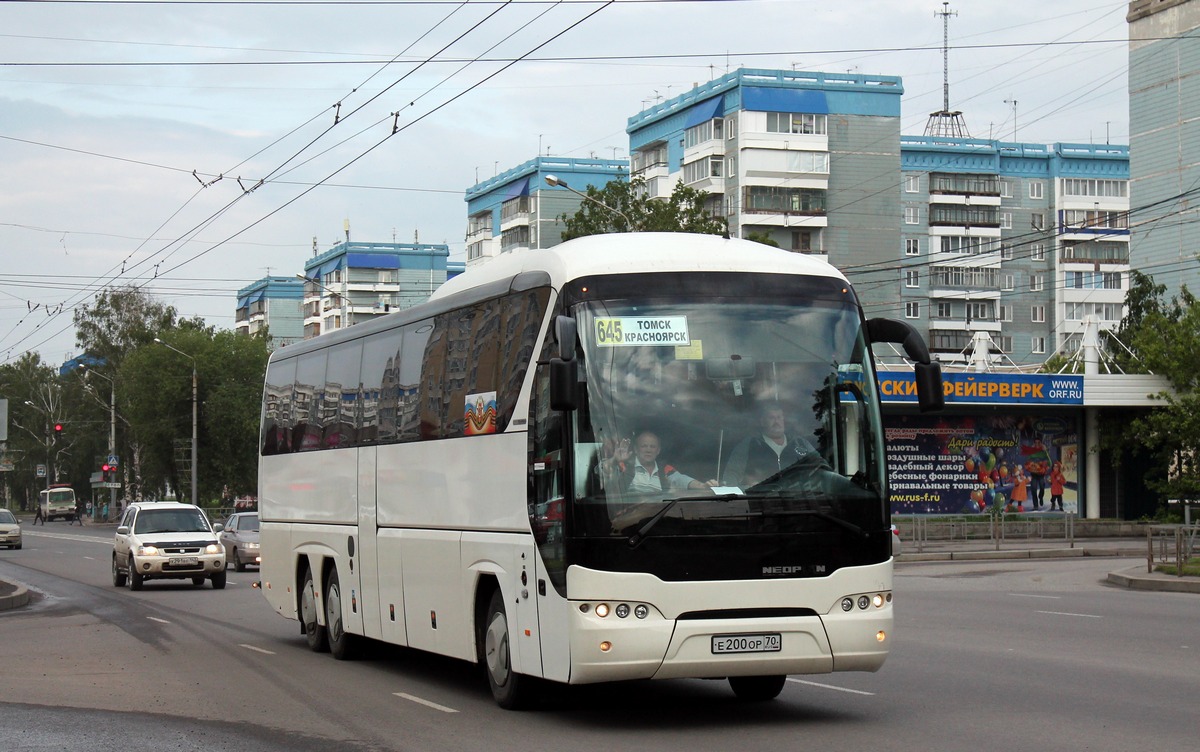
(927, 374)
(564, 383)
(565, 332)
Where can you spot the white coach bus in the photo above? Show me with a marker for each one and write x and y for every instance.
(454, 477)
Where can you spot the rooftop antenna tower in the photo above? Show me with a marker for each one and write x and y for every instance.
(946, 123)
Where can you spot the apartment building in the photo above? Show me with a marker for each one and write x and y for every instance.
(1164, 109)
(353, 282)
(274, 304)
(518, 209)
(1011, 246)
(806, 160)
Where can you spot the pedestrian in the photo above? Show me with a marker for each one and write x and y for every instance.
(38, 515)
(80, 511)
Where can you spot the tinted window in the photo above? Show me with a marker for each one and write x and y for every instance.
(277, 407)
(343, 398)
(309, 401)
(380, 366)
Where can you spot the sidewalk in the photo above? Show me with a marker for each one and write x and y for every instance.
(1134, 577)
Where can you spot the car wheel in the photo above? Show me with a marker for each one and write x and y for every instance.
(238, 564)
(757, 688)
(318, 640)
(135, 579)
(512, 691)
(218, 580)
(342, 645)
(118, 576)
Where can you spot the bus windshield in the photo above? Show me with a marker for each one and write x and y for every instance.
(739, 417)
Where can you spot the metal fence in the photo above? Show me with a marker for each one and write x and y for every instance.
(920, 530)
(1171, 546)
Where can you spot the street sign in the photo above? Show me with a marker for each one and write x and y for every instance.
(41, 471)
(112, 459)
(106, 485)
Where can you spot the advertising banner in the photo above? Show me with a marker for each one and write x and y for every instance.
(973, 464)
(988, 388)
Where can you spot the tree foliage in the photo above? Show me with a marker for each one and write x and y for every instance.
(120, 320)
(625, 206)
(1165, 340)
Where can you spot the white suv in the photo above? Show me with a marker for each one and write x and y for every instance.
(167, 540)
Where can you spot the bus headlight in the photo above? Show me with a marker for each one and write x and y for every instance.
(602, 610)
(640, 611)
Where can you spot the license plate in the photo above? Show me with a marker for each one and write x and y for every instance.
(747, 643)
(184, 561)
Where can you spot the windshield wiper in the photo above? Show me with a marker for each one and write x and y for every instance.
(636, 539)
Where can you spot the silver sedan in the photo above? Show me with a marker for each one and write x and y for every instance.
(240, 539)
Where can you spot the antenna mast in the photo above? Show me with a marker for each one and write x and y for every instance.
(946, 123)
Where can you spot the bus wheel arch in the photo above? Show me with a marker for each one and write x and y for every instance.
(511, 690)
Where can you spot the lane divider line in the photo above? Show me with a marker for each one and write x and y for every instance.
(830, 686)
(257, 650)
(426, 703)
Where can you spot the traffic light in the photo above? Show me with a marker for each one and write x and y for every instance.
(58, 431)
(106, 471)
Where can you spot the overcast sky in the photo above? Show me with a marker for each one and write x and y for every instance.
(133, 134)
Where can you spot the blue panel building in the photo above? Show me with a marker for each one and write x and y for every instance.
(274, 304)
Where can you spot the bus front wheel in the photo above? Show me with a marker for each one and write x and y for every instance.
(314, 632)
(757, 688)
(512, 691)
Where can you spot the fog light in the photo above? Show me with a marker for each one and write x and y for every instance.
(622, 610)
(640, 611)
(847, 604)
(863, 601)
(877, 601)
(880, 636)
(146, 566)
(605, 646)
(602, 610)
(584, 608)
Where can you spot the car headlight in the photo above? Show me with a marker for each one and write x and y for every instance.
(213, 548)
(147, 550)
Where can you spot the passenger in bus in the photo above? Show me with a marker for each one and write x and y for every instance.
(635, 469)
(764, 454)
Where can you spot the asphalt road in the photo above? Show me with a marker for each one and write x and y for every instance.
(1006, 655)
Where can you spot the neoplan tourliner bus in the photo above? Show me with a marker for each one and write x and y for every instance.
(436, 478)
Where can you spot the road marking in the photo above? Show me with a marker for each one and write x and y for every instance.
(257, 650)
(1032, 595)
(1067, 613)
(160, 621)
(426, 703)
(830, 686)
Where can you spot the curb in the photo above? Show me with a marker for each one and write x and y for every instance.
(16, 599)
(1138, 579)
(1036, 553)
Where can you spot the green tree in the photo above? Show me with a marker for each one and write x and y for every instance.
(762, 237)
(1165, 339)
(156, 382)
(625, 206)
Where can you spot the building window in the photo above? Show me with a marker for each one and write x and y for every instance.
(698, 134)
(1037, 220)
(912, 183)
(702, 169)
(1005, 189)
(1005, 220)
(730, 166)
(1003, 342)
(1037, 252)
(1003, 312)
(912, 246)
(788, 122)
(1089, 218)
(1037, 314)
(1008, 282)
(944, 311)
(912, 279)
(1006, 251)
(1035, 189)
(730, 128)
(1038, 345)
(1036, 282)
(1095, 188)
(802, 241)
(912, 310)
(964, 244)
(912, 215)
(979, 311)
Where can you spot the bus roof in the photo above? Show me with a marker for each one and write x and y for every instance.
(618, 253)
(640, 252)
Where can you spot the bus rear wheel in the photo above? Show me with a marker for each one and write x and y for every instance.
(314, 632)
(342, 645)
(512, 691)
(757, 688)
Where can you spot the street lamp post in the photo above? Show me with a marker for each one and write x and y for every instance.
(46, 439)
(557, 182)
(194, 424)
(112, 430)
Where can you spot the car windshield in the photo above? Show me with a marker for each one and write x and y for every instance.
(7, 517)
(248, 524)
(151, 521)
(754, 412)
